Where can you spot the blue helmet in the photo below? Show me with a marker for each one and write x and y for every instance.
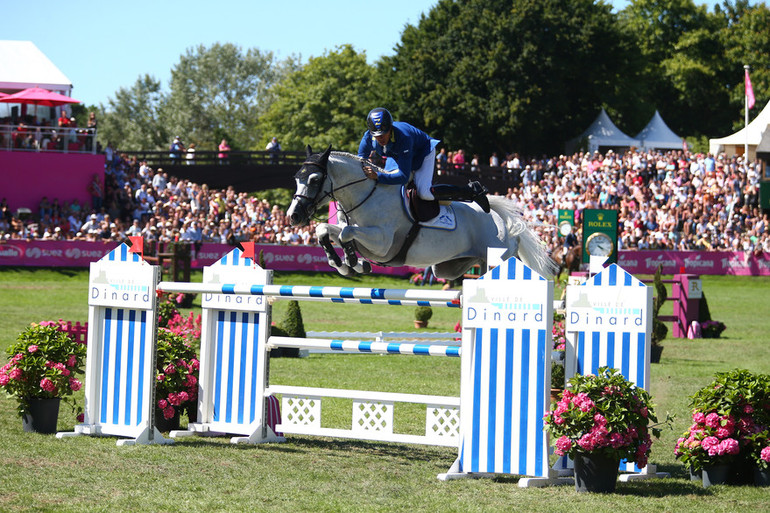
(379, 121)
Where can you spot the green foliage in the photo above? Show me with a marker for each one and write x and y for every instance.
(502, 76)
(423, 313)
(557, 374)
(134, 119)
(176, 376)
(323, 103)
(42, 365)
(292, 322)
(278, 196)
(604, 413)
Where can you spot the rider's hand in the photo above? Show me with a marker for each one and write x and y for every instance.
(370, 172)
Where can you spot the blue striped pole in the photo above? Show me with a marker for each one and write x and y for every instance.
(441, 298)
(363, 346)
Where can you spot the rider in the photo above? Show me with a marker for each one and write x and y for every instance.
(411, 151)
(570, 241)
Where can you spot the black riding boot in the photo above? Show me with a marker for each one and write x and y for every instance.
(474, 191)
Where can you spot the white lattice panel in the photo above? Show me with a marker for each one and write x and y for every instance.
(372, 416)
(301, 411)
(441, 422)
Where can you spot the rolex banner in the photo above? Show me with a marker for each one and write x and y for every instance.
(566, 221)
(600, 234)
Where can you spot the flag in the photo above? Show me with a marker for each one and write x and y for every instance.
(749, 91)
(137, 245)
(248, 249)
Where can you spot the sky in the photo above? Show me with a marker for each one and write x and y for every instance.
(105, 45)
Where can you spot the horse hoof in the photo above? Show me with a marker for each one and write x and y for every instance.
(366, 267)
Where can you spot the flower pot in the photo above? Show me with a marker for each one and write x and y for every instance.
(655, 352)
(42, 416)
(696, 475)
(595, 473)
(741, 472)
(715, 474)
(165, 425)
(761, 477)
(420, 324)
(555, 393)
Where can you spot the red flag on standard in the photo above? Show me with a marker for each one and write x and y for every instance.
(749, 91)
(248, 250)
(137, 244)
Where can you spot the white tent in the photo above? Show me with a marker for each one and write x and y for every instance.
(657, 135)
(751, 134)
(23, 65)
(602, 134)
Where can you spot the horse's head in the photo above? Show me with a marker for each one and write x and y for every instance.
(312, 187)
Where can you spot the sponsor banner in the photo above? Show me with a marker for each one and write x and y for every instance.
(48, 253)
(695, 262)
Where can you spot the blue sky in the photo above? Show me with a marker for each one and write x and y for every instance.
(103, 45)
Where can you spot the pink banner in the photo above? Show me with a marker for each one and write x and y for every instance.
(82, 253)
(695, 262)
(312, 258)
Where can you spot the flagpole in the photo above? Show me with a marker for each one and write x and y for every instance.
(746, 119)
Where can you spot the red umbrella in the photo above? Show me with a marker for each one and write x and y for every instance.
(38, 96)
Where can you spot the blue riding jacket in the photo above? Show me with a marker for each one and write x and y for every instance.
(407, 149)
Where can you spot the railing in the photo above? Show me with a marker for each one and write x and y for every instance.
(45, 139)
(232, 158)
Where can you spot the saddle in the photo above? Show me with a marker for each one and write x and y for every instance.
(421, 210)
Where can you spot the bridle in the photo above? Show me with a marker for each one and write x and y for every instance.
(322, 170)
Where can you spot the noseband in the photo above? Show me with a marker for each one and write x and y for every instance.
(325, 173)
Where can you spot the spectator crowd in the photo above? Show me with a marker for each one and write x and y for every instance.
(675, 200)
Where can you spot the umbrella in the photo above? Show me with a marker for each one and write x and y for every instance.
(38, 96)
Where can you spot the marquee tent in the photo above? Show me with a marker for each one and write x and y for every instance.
(752, 134)
(657, 135)
(602, 135)
(23, 65)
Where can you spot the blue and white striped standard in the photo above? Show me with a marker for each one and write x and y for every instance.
(126, 349)
(236, 390)
(363, 346)
(609, 323)
(502, 411)
(318, 293)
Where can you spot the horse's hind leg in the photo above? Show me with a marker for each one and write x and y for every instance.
(453, 269)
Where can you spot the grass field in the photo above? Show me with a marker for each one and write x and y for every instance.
(42, 473)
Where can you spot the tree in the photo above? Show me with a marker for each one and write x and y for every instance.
(504, 75)
(323, 103)
(219, 92)
(134, 120)
(679, 75)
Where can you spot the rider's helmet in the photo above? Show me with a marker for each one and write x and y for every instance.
(379, 121)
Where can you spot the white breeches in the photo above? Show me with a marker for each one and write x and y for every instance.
(423, 177)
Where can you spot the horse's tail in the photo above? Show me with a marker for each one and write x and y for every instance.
(531, 249)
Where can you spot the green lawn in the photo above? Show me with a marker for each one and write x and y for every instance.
(42, 473)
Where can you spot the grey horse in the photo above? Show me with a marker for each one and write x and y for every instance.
(375, 224)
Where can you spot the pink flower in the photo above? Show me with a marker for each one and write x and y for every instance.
(564, 444)
(4, 379)
(698, 417)
(170, 369)
(587, 442)
(15, 374)
(174, 399)
(168, 412)
(191, 380)
(729, 446)
(47, 385)
(81, 417)
(75, 384)
(72, 361)
(712, 420)
(558, 419)
(722, 432)
(33, 348)
(710, 444)
(183, 397)
(162, 404)
(600, 420)
(748, 409)
(765, 454)
(160, 378)
(195, 363)
(643, 412)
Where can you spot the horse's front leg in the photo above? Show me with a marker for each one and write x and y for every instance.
(328, 234)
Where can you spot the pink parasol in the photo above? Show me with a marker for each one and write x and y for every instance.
(38, 96)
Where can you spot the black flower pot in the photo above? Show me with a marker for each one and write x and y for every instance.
(696, 475)
(655, 352)
(595, 473)
(716, 474)
(165, 425)
(761, 477)
(42, 416)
